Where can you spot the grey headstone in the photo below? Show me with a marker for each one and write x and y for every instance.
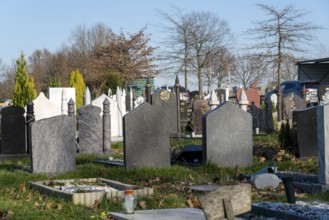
(90, 130)
(292, 102)
(165, 102)
(323, 143)
(53, 145)
(305, 132)
(146, 138)
(13, 130)
(227, 136)
(266, 180)
(200, 108)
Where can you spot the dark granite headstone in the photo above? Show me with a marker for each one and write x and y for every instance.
(13, 130)
(128, 103)
(305, 132)
(221, 93)
(90, 130)
(262, 119)
(183, 114)
(146, 138)
(53, 145)
(227, 136)
(183, 110)
(292, 102)
(200, 108)
(165, 102)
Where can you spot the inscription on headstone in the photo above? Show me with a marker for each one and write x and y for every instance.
(13, 130)
(165, 102)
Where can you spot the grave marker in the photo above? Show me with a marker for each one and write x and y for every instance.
(90, 130)
(13, 130)
(146, 138)
(227, 136)
(53, 145)
(200, 108)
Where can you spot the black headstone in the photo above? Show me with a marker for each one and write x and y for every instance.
(13, 130)
(305, 132)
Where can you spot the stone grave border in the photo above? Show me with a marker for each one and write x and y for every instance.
(88, 198)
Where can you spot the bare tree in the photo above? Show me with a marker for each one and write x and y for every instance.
(176, 49)
(219, 67)
(7, 80)
(289, 68)
(196, 38)
(248, 69)
(282, 33)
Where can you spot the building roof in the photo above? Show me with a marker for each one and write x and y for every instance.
(314, 61)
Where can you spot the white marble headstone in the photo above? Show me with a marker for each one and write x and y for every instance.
(44, 108)
(55, 95)
(114, 111)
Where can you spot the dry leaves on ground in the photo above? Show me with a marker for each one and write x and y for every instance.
(142, 204)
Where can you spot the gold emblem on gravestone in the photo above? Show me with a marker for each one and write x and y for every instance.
(164, 95)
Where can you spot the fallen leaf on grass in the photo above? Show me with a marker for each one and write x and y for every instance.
(190, 203)
(22, 188)
(262, 160)
(28, 198)
(96, 204)
(160, 203)
(142, 204)
(48, 205)
(59, 206)
(5, 216)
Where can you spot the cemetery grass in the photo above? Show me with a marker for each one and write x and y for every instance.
(19, 201)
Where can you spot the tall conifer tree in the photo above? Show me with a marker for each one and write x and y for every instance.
(24, 86)
(77, 82)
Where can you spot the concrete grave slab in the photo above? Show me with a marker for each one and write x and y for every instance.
(238, 195)
(161, 214)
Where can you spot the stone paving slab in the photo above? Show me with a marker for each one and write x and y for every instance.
(161, 214)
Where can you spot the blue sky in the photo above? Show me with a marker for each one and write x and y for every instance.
(36, 24)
